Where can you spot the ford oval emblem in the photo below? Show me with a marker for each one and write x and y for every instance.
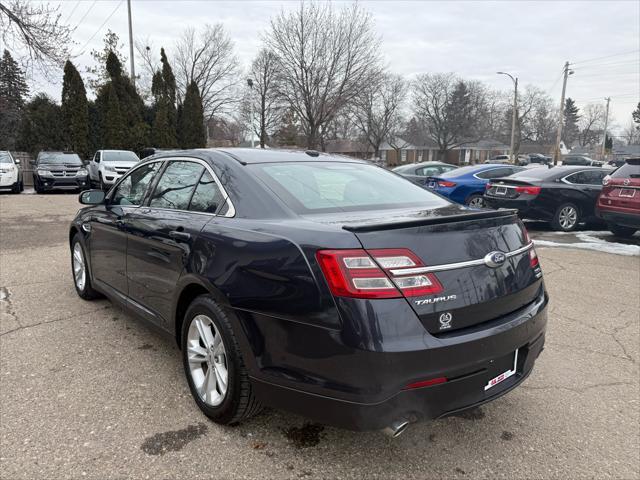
(495, 259)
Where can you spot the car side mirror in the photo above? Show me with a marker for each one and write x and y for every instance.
(92, 197)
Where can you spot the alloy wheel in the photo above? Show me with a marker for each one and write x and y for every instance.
(477, 202)
(207, 359)
(568, 217)
(79, 270)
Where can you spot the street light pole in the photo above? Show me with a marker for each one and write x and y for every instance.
(133, 68)
(515, 112)
(606, 122)
(250, 83)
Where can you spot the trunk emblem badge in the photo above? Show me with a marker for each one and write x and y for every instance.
(445, 320)
(626, 181)
(494, 259)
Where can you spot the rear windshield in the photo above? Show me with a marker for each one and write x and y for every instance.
(319, 187)
(119, 157)
(631, 169)
(459, 172)
(59, 158)
(5, 157)
(537, 173)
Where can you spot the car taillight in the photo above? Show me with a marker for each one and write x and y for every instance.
(362, 274)
(533, 256)
(426, 383)
(444, 183)
(488, 186)
(606, 180)
(529, 190)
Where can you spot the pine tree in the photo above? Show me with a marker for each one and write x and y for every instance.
(169, 82)
(75, 114)
(163, 88)
(192, 119)
(13, 94)
(636, 116)
(37, 128)
(113, 126)
(571, 118)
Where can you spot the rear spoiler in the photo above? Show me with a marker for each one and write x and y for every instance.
(417, 222)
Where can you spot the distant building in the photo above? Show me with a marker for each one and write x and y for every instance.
(625, 151)
(350, 148)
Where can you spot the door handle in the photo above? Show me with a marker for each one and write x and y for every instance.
(180, 235)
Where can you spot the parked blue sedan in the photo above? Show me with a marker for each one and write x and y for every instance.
(466, 185)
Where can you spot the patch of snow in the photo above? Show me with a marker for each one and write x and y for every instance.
(591, 242)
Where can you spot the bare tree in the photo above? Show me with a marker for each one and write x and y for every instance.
(207, 58)
(449, 108)
(263, 102)
(327, 58)
(38, 29)
(148, 64)
(377, 110)
(631, 133)
(537, 117)
(591, 125)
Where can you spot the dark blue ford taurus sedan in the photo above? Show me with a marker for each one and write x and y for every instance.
(321, 285)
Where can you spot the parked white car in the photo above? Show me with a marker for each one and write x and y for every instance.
(107, 166)
(10, 174)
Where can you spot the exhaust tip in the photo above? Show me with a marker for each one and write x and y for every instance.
(396, 429)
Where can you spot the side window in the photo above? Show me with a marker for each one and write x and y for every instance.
(495, 173)
(578, 178)
(133, 187)
(594, 177)
(176, 185)
(98, 155)
(207, 197)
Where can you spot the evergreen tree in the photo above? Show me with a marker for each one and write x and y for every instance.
(163, 88)
(38, 126)
(571, 118)
(128, 117)
(113, 126)
(636, 116)
(608, 143)
(75, 114)
(192, 119)
(13, 94)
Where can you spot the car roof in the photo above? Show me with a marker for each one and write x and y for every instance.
(257, 155)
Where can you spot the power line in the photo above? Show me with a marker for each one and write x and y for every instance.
(100, 27)
(72, 11)
(85, 14)
(556, 80)
(606, 56)
(613, 64)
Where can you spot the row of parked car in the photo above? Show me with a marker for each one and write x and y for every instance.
(564, 196)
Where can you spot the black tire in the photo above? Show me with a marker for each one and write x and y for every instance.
(86, 292)
(37, 187)
(239, 402)
(559, 223)
(21, 186)
(620, 231)
(476, 201)
(15, 188)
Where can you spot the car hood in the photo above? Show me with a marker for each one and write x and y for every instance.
(120, 164)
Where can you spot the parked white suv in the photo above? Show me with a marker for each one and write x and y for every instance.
(107, 166)
(10, 174)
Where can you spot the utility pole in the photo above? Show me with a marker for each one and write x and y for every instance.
(133, 68)
(250, 84)
(556, 153)
(606, 121)
(514, 114)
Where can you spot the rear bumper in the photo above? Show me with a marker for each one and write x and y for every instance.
(619, 217)
(378, 398)
(526, 208)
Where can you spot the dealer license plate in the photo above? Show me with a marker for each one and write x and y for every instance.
(627, 192)
(504, 375)
(501, 190)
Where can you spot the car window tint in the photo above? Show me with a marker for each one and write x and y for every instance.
(496, 173)
(207, 196)
(133, 187)
(176, 185)
(428, 171)
(578, 178)
(628, 170)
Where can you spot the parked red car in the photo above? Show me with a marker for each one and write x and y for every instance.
(619, 201)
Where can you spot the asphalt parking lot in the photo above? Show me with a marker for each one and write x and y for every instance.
(86, 391)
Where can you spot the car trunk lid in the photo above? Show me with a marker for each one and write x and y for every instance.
(480, 258)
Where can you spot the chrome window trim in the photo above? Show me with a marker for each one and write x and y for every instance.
(564, 179)
(454, 266)
(231, 212)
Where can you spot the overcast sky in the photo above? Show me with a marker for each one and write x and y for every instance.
(530, 40)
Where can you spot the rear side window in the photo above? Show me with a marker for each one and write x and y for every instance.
(207, 196)
(586, 177)
(177, 184)
(315, 187)
(132, 189)
(495, 173)
(628, 170)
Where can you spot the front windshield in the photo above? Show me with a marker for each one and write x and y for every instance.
(119, 156)
(5, 157)
(59, 158)
(319, 187)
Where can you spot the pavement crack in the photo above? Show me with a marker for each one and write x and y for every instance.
(605, 354)
(67, 317)
(6, 305)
